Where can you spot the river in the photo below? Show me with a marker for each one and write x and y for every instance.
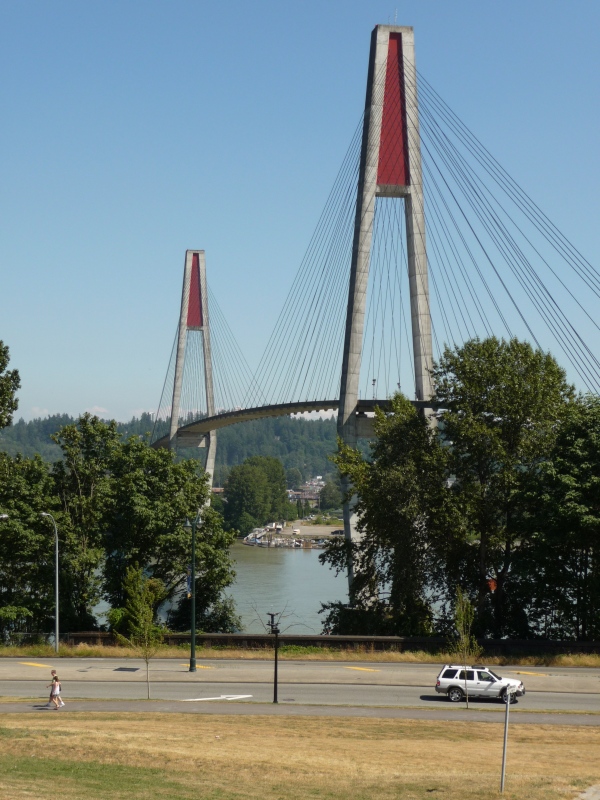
(281, 579)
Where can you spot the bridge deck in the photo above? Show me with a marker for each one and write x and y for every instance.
(207, 424)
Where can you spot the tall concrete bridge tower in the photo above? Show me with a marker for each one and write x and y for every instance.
(390, 167)
(194, 317)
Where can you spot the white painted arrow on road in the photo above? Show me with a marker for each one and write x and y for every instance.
(222, 697)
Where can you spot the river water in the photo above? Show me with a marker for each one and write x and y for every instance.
(281, 579)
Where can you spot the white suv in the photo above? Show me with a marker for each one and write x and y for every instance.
(456, 681)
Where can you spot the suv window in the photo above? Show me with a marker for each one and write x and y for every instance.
(485, 676)
(470, 675)
(450, 673)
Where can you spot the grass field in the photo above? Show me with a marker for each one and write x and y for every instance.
(103, 756)
(297, 653)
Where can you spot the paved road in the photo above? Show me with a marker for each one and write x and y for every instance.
(446, 713)
(332, 684)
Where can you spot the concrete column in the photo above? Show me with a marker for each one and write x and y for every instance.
(211, 450)
(363, 234)
(361, 253)
(180, 354)
(415, 231)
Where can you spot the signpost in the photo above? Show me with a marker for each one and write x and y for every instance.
(509, 691)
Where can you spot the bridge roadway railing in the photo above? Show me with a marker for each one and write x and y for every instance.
(428, 644)
(192, 433)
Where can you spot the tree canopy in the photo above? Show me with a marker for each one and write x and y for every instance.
(499, 500)
(119, 505)
(9, 383)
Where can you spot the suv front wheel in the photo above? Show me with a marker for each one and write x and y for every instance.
(455, 695)
(505, 695)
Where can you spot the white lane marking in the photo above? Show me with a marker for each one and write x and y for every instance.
(222, 697)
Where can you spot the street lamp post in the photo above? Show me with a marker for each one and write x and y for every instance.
(274, 628)
(56, 625)
(193, 526)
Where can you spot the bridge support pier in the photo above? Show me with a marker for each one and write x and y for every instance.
(390, 166)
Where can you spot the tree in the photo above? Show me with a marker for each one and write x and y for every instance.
(214, 573)
(276, 480)
(26, 545)
(502, 404)
(330, 496)
(248, 498)
(9, 383)
(294, 478)
(85, 488)
(556, 576)
(152, 495)
(401, 516)
(142, 594)
(465, 645)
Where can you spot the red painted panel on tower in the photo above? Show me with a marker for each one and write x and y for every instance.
(194, 315)
(392, 169)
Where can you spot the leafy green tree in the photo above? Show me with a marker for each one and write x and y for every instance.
(299, 509)
(330, 496)
(465, 645)
(152, 494)
(502, 404)
(13, 619)
(85, 490)
(26, 545)
(9, 383)
(138, 616)
(248, 498)
(276, 480)
(401, 515)
(556, 575)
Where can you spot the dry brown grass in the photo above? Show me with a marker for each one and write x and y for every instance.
(299, 654)
(292, 757)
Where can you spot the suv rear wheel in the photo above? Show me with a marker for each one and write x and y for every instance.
(455, 695)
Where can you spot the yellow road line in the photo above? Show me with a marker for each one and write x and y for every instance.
(363, 669)
(198, 666)
(33, 664)
(543, 674)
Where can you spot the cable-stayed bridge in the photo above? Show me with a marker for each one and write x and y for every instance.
(425, 241)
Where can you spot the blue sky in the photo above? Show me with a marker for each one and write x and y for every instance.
(134, 130)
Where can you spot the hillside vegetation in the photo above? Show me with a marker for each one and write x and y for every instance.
(299, 443)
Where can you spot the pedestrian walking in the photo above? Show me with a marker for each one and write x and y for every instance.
(55, 693)
(50, 685)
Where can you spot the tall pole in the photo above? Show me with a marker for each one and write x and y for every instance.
(274, 627)
(193, 526)
(193, 621)
(508, 699)
(56, 598)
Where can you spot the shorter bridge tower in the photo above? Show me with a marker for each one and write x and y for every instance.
(194, 317)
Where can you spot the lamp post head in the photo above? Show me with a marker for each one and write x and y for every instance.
(3, 516)
(187, 525)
